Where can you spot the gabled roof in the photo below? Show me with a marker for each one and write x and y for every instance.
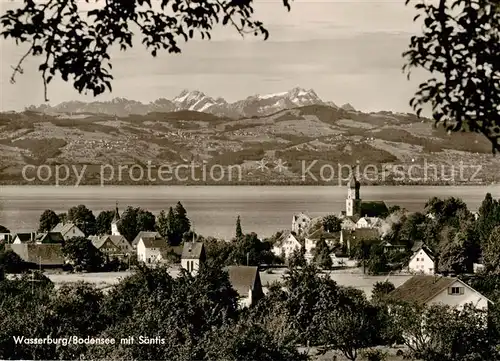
(426, 250)
(64, 228)
(193, 250)
(372, 221)
(145, 234)
(373, 209)
(417, 245)
(283, 237)
(154, 242)
(25, 237)
(50, 237)
(423, 288)
(360, 234)
(320, 233)
(116, 240)
(45, 254)
(243, 278)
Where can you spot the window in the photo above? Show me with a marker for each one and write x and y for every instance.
(456, 291)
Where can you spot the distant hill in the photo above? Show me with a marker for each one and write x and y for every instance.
(308, 144)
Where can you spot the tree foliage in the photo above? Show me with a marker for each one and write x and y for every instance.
(331, 223)
(103, 222)
(322, 255)
(460, 46)
(239, 232)
(491, 252)
(82, 254)
(48, 220)
(75, 43)
(135, 220)
(82, 217)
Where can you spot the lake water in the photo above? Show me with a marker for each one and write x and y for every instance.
(213, 209)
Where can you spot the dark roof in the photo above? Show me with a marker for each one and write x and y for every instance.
(417, 245)
(243, 278)
(25, 237)
(145, 234)
(320, 233)
(373, 209)
(421, 288)
(360, 234)
(154, 242)
(50, 237)
(45, 254)
(193, 250)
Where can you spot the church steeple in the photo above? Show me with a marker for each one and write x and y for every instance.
(114, 222)
(353, 201)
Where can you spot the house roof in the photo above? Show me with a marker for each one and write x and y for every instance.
(371, 220)
(243, 278)
(154, 242)
(284, 237)
(373, 209)
(427, 251)
(145, 234)
(417, 245)
(423, 288)
(64, 228)
(49, 254)
(50, 237)
(320, 233)
(360, 234)
(25, 237)
(192, 250)
(116, 240)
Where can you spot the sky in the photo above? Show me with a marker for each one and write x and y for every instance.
(347, 51)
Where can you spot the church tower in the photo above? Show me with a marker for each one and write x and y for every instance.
(353, 202)
(114, 222)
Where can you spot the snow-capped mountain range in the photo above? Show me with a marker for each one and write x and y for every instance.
(256, 105)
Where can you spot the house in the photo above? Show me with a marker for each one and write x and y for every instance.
(428, 290)
(348, 222)
(150, 249)
(390, 247)
(27, 237)
(48, 255)
(300, 222)
(113, 245)
(193, 254)
(246, 281)
(50, 237)
(68, 230)
(142, 234)
(369, 222)
(6, 238)
(422, 261)
(286, 245)
(351, 238)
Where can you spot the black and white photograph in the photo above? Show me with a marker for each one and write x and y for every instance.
(238, 180)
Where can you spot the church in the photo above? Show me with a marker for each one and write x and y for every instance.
(356, 208)
(357, 214)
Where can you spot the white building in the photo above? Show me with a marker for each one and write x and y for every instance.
(286, 245)
(193, 254)
(68, 230)
(429, 290)
(369, 222)
(422, 261)
(150, 249)
(300, 222)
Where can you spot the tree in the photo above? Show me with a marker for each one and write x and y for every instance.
(297, 258)
(321, 254)
(459, 45)
(331, 223)
(63, 217)
(48, 220)
(489, 217)
(135, 220)
(174, 232)
(491, 252)
(82, 254)
(83, 217)
(456, 255)
(113, 23)
(10, 262)
(381, 289)
(162, 224)
(439, 332)
(239, 232)
(103, 222)
(183, 221)
(377, 260)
